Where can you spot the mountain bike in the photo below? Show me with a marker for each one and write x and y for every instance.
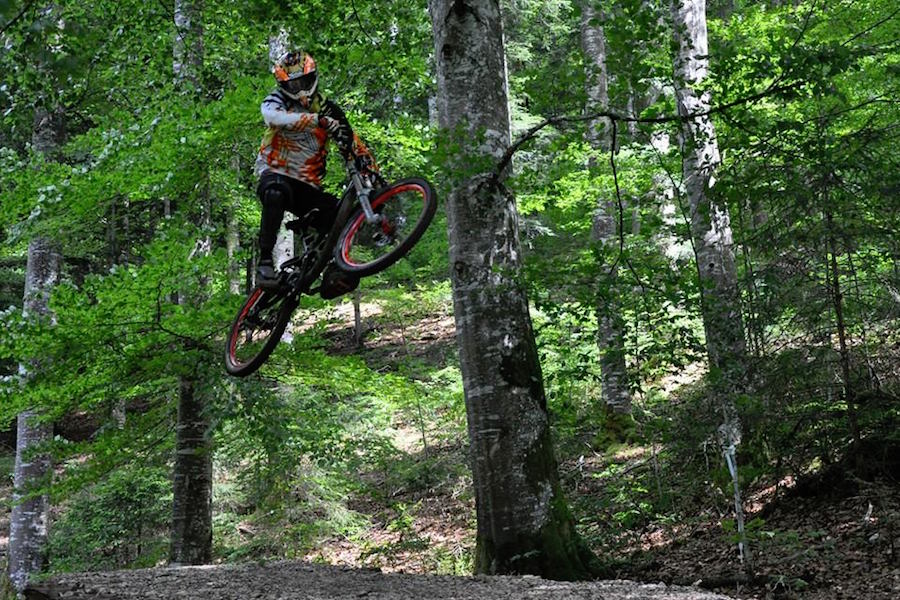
(376, 225)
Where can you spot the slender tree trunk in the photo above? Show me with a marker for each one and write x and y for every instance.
(848, 392)
(191, 534)
(524, 525)
(710, 229)
(616, 394)
(191, 542)
(710, 221)
(232, 247)
(187, 50)
(232, 235)
(357, 319)
(30, 512)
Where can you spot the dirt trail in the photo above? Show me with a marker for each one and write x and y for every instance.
(295, 581)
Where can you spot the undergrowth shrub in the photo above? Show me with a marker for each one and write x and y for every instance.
(120, 522)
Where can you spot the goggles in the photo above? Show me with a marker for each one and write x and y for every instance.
(304, 83)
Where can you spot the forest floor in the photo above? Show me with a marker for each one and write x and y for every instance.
(834, 541)
(821, 543)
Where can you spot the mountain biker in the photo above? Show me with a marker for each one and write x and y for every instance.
(291, 162)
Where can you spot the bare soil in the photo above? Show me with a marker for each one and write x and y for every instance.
(296, 581)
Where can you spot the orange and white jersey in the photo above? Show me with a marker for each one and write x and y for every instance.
(295, 142)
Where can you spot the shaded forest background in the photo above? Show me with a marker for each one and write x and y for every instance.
(351, 444)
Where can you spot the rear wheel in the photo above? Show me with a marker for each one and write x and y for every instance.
(257, 329)
(405, 208)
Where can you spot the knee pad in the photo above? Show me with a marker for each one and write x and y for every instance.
(275, 196)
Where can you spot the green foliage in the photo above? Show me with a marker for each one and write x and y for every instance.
(809, 174)
(119, 522)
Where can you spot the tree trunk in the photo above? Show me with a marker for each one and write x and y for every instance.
(191, 542)
(524, 525)
(187, 50)
(30, 513)
(710, 221)
(232, 234)
(191, 534)
(833, 272)
(615, 390)
(710, 227)
(232, 247)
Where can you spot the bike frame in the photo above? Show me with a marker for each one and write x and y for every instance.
(355, 191)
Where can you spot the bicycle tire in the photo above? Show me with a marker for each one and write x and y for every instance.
(267, 312)
(356, 254)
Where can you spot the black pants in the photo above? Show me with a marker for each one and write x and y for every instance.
(279, 193)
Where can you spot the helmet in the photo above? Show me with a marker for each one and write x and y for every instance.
(296, 74)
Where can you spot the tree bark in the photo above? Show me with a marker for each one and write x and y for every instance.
(232, 234)
(710, 228)
(191, 541)
(30, 513)
(710, 220)
(524, 525)
(187, 50)
(232, 248)
(615, 391)
(191, 533)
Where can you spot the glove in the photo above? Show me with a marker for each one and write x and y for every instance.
(362, 162)
(332, 126)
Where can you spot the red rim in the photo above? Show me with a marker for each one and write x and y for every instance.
(354, 227)
(251, 302)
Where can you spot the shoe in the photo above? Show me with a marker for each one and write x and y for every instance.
(336, 282)
(266, 277)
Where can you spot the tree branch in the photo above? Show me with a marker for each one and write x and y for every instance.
(13, 21)
(616, 117)
(871, 27)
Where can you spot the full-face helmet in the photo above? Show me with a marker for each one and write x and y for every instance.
(297, 76)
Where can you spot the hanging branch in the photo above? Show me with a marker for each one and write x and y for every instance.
(8, 25)
(620, 213)
(773, 88)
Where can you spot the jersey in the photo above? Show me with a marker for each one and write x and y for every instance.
(295, 142)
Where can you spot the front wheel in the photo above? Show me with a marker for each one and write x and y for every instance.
(405, 210)
(257, 329)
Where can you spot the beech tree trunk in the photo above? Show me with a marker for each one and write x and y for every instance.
(524, 525)
(191, 541)
(710, 221)
(187, 50)
(232, 233)
(710, 228)
(29, 519)
(615, 391)
(30, 513)
(191, 534)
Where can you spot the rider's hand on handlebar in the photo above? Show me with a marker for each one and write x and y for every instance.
(363, 163)
(330, 125)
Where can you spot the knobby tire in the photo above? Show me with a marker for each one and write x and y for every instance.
(355, 250)
(260, 303)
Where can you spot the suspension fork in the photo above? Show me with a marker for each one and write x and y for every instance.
(362, 195)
